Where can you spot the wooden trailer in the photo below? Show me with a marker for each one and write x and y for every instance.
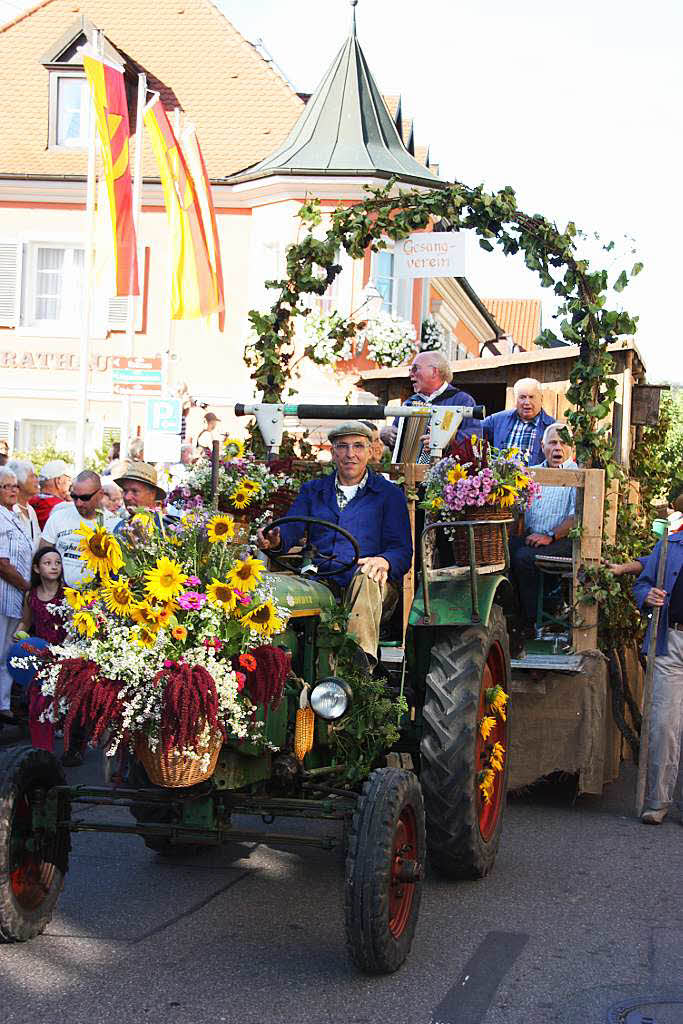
(562, 698)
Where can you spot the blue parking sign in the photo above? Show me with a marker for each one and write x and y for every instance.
(164, 415)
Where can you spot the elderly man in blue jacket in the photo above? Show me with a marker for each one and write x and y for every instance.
(522, 427)
(664, 765)
(372, 510)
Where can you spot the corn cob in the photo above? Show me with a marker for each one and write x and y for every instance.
(303, 727)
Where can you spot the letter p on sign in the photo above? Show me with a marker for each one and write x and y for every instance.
(164, 415)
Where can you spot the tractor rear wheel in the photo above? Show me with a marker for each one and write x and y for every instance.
(384, 870)
(32, 866)
(463, 827)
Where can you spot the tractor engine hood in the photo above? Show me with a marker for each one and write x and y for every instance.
(300, 596)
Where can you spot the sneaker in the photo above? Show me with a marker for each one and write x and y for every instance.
(652, 816)
(72, 759)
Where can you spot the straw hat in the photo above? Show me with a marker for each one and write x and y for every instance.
(141, 471)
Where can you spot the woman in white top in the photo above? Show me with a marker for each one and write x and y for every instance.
(28, 488)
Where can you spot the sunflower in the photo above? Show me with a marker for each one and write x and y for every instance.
(486, 726)
(233, 448)
(247, 574)
(456, 473)
(85, 623)
(179, 633)
(241, 498)
(165, 580)
(164, 612)
(92, 593)
(144, 637)
(219, 592)
(250, 485)
(221, 528)
(100, 551)
(118, 597)
(263, 619)
(486, 783)
(74, 598)
(147, 615)
(497, 758)
(497, 699)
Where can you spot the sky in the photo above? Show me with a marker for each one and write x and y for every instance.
(576, 106)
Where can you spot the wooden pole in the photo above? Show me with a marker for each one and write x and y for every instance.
(649, 683)
(215, 459)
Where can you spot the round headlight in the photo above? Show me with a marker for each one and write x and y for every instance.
(330, 699)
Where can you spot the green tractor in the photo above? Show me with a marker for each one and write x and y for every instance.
(433, 793)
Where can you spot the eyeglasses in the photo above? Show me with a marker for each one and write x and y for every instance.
(357, 447)
(9, 487)
(84, 497)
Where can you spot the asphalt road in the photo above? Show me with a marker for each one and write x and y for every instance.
(581, 922)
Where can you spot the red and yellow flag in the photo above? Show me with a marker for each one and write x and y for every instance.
(194, 290)
(111, 113)
(195, 162)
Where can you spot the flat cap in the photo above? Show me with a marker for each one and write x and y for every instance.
(350, 427)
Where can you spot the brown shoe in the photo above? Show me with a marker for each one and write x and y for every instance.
(650, 816)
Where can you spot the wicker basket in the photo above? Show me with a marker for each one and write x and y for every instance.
(488, 540)
(179, 771)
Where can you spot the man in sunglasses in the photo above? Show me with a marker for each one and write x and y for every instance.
(60, 529)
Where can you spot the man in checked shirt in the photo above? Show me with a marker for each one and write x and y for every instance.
(546, 524)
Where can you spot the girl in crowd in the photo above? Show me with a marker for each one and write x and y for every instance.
(41, 618)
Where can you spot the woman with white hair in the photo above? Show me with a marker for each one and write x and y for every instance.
(15, 574)
(28, 489)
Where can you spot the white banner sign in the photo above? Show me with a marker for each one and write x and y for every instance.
(430, 254)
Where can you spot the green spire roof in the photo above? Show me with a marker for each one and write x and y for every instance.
(345, 129)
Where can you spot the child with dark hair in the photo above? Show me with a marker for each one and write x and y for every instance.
(42, 619)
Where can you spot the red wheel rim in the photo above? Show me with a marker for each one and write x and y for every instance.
(30, 876)
(489, 813)
(404, 865)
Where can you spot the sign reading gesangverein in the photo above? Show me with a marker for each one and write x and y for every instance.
(430, 254)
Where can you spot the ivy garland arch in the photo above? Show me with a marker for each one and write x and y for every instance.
(581, 291)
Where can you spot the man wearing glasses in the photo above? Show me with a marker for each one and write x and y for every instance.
(372, 510)
(61, 527)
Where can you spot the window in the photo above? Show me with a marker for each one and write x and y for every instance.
(337, 296)
(396, 292)
(54, 285)
(60, 433)
(69, 110)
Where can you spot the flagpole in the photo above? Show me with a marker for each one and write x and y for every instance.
(88, 270)
(134, 299)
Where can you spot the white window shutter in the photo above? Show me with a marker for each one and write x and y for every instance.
(10, 283)
(117, 314)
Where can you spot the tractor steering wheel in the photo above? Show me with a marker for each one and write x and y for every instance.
(311, 550)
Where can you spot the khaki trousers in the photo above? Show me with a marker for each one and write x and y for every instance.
(368, 603)
(664, 767)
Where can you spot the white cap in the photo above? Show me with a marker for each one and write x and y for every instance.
(55, 468)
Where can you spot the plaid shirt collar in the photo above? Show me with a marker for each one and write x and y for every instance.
(342, 499)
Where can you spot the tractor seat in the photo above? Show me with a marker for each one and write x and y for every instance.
(554, 564)
(561, 569)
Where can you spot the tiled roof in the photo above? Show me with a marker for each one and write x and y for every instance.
(520, 318)
(191, 53)
(393, 106)
(422, 155)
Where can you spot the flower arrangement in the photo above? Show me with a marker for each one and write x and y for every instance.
(478, 476)
(389, 340)
(494, 751)
(165, 643)
(432, 335)
(245, 486)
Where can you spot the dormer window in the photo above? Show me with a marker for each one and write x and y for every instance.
(69, 110)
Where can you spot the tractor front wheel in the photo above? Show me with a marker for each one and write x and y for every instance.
(32, 864)
(384, 870)
(464, 819)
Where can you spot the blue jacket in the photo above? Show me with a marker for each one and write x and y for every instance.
(377, 517)
(648, 579)
(498, 426)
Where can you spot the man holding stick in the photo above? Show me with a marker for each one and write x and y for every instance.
(660, 586)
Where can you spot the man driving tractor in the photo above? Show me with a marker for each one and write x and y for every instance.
(372, 510)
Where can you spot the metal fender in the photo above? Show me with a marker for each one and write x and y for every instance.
(451, 600)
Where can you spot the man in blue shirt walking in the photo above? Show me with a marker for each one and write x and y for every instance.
(664, 768)
(372, 510)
